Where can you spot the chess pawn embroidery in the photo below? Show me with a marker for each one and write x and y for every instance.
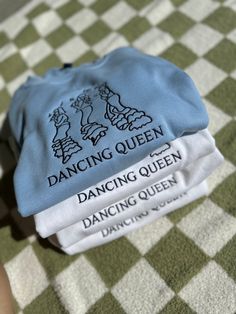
(121, 116)
(63, 145)
(90, 130)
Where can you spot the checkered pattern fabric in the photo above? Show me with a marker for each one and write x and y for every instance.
(182, 263)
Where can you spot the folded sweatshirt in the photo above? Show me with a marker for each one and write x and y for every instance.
(149, 215)
(169, 187)
(77, 126)
(168, 159)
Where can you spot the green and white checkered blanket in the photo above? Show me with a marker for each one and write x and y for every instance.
(182, 263)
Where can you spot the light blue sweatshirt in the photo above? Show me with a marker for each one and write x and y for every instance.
(78, 126)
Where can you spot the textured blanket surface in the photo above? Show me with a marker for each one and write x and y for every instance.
(182, 263)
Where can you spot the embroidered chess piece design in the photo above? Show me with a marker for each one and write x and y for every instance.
(63, 145)
(164, 148)
(90, 129)
(121, 116)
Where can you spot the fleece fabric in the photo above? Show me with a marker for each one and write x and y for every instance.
(159, 164)
(77, 126)
(151, 213)
(171, 186)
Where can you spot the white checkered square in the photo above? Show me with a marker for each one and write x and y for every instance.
(209, 226)
(27, 276)
(232, 36)
(47, 22)
(87, 2)
(144, 238)
(211, 291)
(154, 41)
(81, 20)
(110, 42)
(217, 118)
(233, 74)
(72, 49)
(36, 52)
(79, 286)
(132, 290)
(6, 51)
(13, 25)
(220, 174)
(201, 38)
(200, 9)
(205, 75)
(118, 15)
(231, 4)
(56, 3)
(159, 11)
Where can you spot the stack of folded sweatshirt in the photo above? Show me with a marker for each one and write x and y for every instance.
(108, 147)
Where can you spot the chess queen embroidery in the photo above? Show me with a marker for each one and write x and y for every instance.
(63, 144)
(120, 116)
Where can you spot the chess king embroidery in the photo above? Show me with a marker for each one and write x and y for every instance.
(119, 115)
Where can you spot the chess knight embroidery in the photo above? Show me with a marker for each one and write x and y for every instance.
(63, 145)
(121, 116)
(89, 129)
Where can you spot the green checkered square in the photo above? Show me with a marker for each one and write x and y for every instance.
(176, 258)
(227, 256)
(138, 4)
(224, 95)
(52, 61)
(95, 33)
(5, 100)
(135, 28)
(177, 305)
(113, 260)
(226, 141)
(176, 24)
(69, 8)
(224, 195)
(223, 55)
(223, 20)
(45, 302)
(27, 36)
(3, 39)
(39, 9)
(60, 36)
(106, 305)
(102, 6)
(179, 55)
(177, 3)
(87, 57)
(12, 67)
